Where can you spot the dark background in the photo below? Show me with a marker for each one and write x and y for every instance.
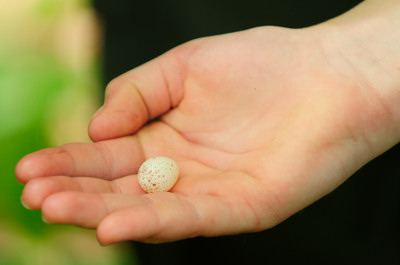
(356, 224)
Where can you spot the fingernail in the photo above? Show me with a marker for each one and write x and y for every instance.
(25, 206)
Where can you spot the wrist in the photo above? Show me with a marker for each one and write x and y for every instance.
(367, 39)
(362, 48)
(364, 45)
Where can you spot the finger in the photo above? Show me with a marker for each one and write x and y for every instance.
(138, 96)
(172, 217)
(209, 205)
(109, 160)
(120, 157)
(38, 189)
(85, 209)
(158, 217)
(149, 214)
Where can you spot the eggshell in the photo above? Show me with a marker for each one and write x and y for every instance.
(158, 174)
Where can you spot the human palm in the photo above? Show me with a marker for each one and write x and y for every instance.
(261, 124)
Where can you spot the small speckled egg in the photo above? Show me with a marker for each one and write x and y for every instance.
(158, 174)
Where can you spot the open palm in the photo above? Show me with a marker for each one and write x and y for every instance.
(260, 122)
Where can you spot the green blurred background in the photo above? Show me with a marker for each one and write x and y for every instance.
(49, 88)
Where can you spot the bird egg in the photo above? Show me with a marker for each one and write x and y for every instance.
(158, 174)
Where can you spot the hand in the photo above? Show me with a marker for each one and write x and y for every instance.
(261, 123)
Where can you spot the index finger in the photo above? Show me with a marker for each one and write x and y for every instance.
(108, 160)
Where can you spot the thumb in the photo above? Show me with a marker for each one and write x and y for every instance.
(138, 96)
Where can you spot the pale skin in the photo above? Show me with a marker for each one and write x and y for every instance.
(262, 123)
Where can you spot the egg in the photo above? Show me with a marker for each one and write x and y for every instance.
(158, 174)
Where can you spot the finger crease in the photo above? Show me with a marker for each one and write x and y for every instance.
(142, 99)
(107, 158)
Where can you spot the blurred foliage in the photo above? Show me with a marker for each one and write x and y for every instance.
(29, 81)
(48, 91)
(32, 78)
